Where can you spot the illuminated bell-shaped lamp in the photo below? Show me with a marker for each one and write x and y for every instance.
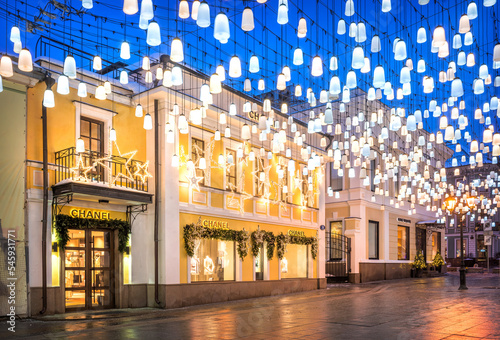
(468, 39)
(63, 85)
(176, 51)
(489, 3)
(439, 36)
(411, 123)
(349, 8)
(351, 81)
(69, 68)
(302, 28)
(457, 89)
(366, 67)
(254, 64)
(376, 46)
(478, 86)
(215, 84)
(496, 53)
(235, 67)
(247, 22)
(371, 94)
(82, 90)
(400, 50)
(281, 82)
(335, 85)
(464, 25)
(360, 33)
(298, 91)
(472, 10)
(474, 146)
(298, 57)
(421, 66)
(261, 85)
(282, 14)
(147, 11)
(6, 69)
(341, 27)
(130, 7)
(457, 41)
(176, 76)
(25, 62)
(405, 75)
(358, 56)
(183, 9)
(15, 34)
(317, 67)
(203, 19)
(138, 110)
(487, 136)
(483, 71)
(421, 35)
(449, 133)
(125, 51)
(386, 6)
(245, 132)
(100, 92)
(378, 77)
(148, 122)
(153, 37)
(221, 28)
(97, 63)
(48, 99)
(194, 10)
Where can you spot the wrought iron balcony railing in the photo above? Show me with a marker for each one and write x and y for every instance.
(96, 167)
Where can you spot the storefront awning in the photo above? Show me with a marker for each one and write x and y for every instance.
(92, 191)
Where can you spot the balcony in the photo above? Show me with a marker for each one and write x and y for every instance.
(107, 176)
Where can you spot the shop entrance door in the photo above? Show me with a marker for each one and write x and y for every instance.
(89, 274)
(259, 265)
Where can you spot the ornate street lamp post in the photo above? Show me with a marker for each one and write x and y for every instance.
(450, 205)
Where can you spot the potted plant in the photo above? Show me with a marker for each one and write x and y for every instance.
(438, 262)
(419, 264)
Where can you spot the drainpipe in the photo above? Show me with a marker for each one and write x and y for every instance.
(45, 206)
(157, 199)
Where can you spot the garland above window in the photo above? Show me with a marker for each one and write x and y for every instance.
(65, 222)
(193, 232)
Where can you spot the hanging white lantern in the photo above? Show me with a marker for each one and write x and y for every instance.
(439, 37)
(317, 67)
(138, 111)
(215, 84)
(247, 21)
(63, 85)
(386, 6)
(468, 39)
(457, 89)
(261, 86)
(489, 3)
(6, 69)
(235, 67)
(97, 63)
(282, 14)
(146, 63)
(341, 27)
(464, 25)
(176, 76)
(82, 90)
(48, 98)
(153, 37)
(176, 51)
(302, 28)
(148, 122)
(130, 7)
(25, 62)
(358, 56)
(147, 11)
(194, 10)
(100, 92)
(349, 8)
(221, 28)
(183, 9)
(125, 51)
(69, 68)
(360, 33)
(15, 34)
(298, 57)
(254, 64)
(400, 50)
(351, 81)
(376, 45)
(281, 82)
(203, 19)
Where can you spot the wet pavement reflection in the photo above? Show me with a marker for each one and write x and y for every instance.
(427, 308)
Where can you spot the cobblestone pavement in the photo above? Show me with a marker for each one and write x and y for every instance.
(428, 308)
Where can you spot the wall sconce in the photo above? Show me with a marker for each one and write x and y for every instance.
(127, 250)
(55, 247)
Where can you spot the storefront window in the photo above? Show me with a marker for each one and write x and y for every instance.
(436, 243)
(213, 260)
(403, 243)
(294, 264)
(373, 240)
(334, 241)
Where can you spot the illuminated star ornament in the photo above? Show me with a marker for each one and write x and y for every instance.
(142, 171)
(81, 171)
(194, 181)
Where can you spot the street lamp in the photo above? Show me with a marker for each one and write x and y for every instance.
(450, 204)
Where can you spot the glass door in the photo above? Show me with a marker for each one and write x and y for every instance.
(259, 265)
(89, 275)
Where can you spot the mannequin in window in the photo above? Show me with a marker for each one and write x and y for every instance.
(208, 267)
(195, 265)
(284, 265)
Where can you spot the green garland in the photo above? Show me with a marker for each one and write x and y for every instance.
(65, 222)
(419, 262)
(193, 232)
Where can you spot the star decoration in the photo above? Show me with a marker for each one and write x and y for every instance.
(142, 171)
(245, 196)
(81, 171)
